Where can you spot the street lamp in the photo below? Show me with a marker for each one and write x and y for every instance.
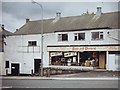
(41, 73)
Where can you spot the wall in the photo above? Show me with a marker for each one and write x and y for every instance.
(16, 50)
(51, 38)
(2, 70)
(1, 59)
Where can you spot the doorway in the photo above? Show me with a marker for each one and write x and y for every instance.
(102, 60)
(14, 69)
(37, 65)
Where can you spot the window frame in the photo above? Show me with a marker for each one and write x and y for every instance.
(32, 43)
(7, 64)
(100, 35)
(77, 36)
(62, 37)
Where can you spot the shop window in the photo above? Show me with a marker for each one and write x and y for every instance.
(79, 36)
(62, 37)
(97, 35)
(32, 43)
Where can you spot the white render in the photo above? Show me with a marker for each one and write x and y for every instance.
(1, 59)
(2, 69)
(16, 50)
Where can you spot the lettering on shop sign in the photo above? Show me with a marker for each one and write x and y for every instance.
(62, 48)
(83, 48)
(111, 48)
(94, 48)
(90, 48)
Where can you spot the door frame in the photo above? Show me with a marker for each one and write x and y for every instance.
(37, 65)
(13, 67)
(102, 60)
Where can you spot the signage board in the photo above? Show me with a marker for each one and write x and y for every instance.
(85, 48)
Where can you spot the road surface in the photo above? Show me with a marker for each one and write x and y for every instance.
(59, 83)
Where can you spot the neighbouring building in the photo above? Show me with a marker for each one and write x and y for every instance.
(3, 34)
(88, 40)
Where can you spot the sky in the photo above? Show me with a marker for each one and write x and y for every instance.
(13, 14)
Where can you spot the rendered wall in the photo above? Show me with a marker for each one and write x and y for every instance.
(16, 50)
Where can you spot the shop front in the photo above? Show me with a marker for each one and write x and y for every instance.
(89, 56)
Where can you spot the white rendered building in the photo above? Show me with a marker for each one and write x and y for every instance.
(67, 41)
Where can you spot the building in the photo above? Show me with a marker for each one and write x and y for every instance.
(88, 40)
(3, 34)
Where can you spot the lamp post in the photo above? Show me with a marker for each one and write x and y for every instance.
(41, 73)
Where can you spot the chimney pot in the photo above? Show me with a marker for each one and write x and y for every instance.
(58, 15)
(2, 27)
(16, 29)
(99, 10)
(27, 20)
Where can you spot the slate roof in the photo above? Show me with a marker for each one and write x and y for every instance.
(5, 33)
(82, 22)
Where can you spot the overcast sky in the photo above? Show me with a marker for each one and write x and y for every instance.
(15, 13)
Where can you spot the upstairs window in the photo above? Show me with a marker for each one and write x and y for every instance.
(62, 37)
(32, 43)
(97, 35)
(79, 36)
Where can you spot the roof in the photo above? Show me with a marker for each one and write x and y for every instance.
(3, 32)
(87, 21)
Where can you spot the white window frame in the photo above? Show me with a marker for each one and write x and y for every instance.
(77, 35)
(31, 43)
(99, 37)
(60, 37)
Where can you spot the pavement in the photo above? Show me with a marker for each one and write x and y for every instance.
(50, 78)
(90, 75)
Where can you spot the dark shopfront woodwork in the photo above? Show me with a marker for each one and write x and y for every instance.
(102, 60)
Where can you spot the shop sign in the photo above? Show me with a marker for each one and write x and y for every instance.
(86, 48)
(68, 54)
(55, 54)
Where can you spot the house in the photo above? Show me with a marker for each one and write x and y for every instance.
(88, 40)
(3, 34)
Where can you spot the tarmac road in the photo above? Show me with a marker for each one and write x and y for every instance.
(23, 83)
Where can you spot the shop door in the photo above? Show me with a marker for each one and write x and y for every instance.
(37, 64)
(14, 69)
(102, 59)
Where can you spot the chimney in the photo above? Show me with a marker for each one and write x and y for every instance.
(58, 15)
(99, 10)
(17, 29)
(27, 20)
(2, 27)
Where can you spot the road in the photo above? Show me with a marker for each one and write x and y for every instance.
(59, 83)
